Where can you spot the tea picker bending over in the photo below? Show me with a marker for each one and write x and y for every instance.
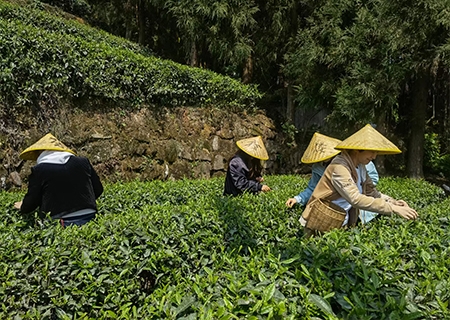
(244, 168)
(319, 153)
(60, 183)
(345, 187)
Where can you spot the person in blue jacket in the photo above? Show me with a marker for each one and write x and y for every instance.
(319, 153)
(364, 215)
(244, 168)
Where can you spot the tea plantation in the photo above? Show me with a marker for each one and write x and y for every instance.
(180, 250)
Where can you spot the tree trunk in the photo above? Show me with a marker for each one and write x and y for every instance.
(417, 124)
(381, 127)
(290, 103)
(193, 55)
(444, 88)
(247, 73)
(129, 10)
(141, 22)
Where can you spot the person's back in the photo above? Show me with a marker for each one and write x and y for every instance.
(244, 168)
(62, 184)
(364, 215)
(345, 188)
(317, 171)
(319, 153)
(63, 188)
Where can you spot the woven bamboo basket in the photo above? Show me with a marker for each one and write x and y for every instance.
(325, 215)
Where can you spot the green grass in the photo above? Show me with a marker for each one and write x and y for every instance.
(180, 250)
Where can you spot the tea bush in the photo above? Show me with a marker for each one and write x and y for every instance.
(46, 59)
(181, 250)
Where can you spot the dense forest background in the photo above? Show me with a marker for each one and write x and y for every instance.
(322, 65)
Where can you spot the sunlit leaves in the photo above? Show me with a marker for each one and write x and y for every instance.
(180, 250)
(43, 62)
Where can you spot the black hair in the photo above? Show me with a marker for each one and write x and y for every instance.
(253, 164)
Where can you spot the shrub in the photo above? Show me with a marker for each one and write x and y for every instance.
(77, 7)
(46, 59)
(180, 250)
(434, 161)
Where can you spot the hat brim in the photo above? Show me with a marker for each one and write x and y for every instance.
(308, 161)
(254, 147)
(47, 142)
(369, 139)
(34, 154)
(378, 151)
(320, 148)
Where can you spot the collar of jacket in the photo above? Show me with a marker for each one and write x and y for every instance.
(325, 189)
(345, 160)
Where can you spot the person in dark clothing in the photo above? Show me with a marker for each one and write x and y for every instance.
(244, 168)
(62, 184)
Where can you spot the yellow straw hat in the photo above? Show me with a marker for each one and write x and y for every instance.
(320, 148)
(253, 147)
(47, 142)
(368, 138)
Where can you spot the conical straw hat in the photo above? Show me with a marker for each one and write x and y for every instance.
(368, 138)
(253, 147)
(47, 142)
(320, 148)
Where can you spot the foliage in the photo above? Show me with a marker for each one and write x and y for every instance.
(79, 8)
(222, 36)
(45, 59)
(434, 160)
(290, 131)
(35, 17)
(355, 58)
(180, 250)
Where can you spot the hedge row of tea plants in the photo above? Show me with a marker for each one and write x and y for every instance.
(34, 14)
(46, 58)
(181, 250)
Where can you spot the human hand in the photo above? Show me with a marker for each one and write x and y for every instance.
(260, 179)
(405, 212)
(265, 188)
(401, 203)
(290, 202)
(17, 205)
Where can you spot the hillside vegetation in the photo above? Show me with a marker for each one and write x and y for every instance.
(46, 60)
(180, 250)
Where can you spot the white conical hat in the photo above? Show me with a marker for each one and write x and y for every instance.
(253, 147)
(368, 138)
(47, 142)
(320, 148)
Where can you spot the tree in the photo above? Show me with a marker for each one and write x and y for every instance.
(355, 57)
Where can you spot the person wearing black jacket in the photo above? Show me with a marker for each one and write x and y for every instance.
(244, 168)
(62, 184)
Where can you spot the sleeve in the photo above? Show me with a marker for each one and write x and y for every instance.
(346, 187)
(371, 190)
(304, 196)
(238, 175)
(372, 172)
(33, 197)
(96, 183)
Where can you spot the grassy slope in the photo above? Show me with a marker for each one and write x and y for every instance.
(46, 59)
